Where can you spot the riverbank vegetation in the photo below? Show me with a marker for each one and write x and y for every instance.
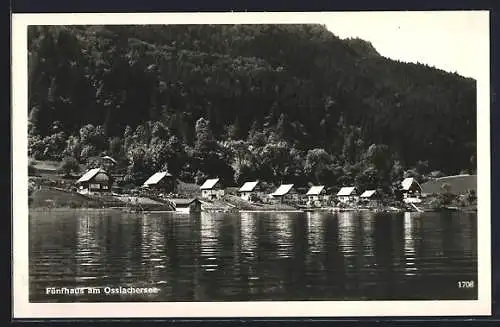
(277, 103)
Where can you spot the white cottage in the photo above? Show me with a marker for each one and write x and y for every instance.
(411, 190)
(94, 180)
(316, 196)
(161, 181)
(368, 194)
(347, 194)
(369, 197)
(247, 189)
(282, 191)
(212, 189)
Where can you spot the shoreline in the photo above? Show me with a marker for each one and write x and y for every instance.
(322, 210)
(46, 199)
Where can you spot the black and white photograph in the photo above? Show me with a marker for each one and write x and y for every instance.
(252, 164)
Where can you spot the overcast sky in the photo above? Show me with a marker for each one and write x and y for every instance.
(452, 41)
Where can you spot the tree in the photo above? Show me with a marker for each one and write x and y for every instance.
(276, 157)
(380, 157)
(446, 196)
(397, 172)
(317, 164)
(205, 141)
(73, 147)
(69, 165)
(368, 179)
(139, 165)
(175, 156)
(471, 197)
(353, 145)
(116, 148)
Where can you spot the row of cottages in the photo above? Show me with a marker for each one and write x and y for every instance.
(98, 180)
(350, 194)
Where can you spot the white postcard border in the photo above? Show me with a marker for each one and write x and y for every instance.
(23, 309)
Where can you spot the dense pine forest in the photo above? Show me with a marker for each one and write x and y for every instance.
(278, 103)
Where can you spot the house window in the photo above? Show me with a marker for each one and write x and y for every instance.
(95, 186)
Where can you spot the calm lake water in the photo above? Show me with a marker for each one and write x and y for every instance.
(253, 256)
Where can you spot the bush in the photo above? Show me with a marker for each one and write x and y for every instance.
(69, 165)
(436, 203)
(471, 197)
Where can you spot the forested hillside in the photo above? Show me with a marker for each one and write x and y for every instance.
(278, 103)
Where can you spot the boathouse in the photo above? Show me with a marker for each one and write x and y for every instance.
(94, 180)
(161, 182)
(187, 205)
(411, 190)
(212, 189)
(282, 193)
(247, 189)
(316, 196)
(347, 194)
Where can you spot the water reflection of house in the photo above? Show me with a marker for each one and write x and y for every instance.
(89, 247)
(212, 189)
(187, 205)
(247, 189)
(411, 190)
(283, 193)
(347, 232)
(209, 243)
(347, 194)
(248, 235)
(367, 222)
(153, 254)
(315, 230)
(94, 180)
(316, 196)
(284, 235)
(409, 245)
(162, 182)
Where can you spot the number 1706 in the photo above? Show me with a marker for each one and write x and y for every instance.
(465, 284)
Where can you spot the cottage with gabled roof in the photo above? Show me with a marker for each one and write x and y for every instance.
(94, 180)
(347, 194)
(161, 181)
(282, 191)
(247, 189)
(369, 197)
(316, 196)
(368, 194)
(212, 189)
(411, 190)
